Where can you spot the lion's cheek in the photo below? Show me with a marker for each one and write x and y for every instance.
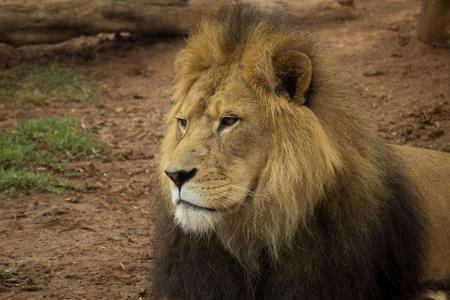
(246, 152)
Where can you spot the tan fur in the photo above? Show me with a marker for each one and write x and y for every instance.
(266, 174)
(430, 172)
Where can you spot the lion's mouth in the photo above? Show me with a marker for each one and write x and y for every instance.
(190, 205)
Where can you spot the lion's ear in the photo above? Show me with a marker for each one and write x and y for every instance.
(294, 69)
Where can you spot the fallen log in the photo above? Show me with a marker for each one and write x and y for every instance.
(49, 21)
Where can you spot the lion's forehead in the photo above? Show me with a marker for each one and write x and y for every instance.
(214, 94)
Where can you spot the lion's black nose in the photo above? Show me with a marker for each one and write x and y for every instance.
(180, 177)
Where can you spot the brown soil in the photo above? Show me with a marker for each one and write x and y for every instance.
(97, 245)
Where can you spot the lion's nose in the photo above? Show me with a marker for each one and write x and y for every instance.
(180, 177)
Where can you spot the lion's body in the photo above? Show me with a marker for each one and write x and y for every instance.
(276, 186)
(430, 173)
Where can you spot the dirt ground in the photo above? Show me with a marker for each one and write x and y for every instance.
(98, 245)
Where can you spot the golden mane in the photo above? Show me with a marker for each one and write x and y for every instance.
(344, 149)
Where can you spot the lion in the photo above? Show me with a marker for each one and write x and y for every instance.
(273, 184)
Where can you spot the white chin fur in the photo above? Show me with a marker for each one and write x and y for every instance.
(194, 220)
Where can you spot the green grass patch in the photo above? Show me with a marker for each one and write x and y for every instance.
(32, 84)
(142, 292)
(32, 150)
(12, 180)
(5, 274)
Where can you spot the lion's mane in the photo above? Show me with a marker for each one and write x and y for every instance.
(336, 219)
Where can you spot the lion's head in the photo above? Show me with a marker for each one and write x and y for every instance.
(259, 132)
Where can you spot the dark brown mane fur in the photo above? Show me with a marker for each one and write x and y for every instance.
(368, 247)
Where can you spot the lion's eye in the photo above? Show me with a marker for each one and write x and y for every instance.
(228, 121)
(182, 122)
